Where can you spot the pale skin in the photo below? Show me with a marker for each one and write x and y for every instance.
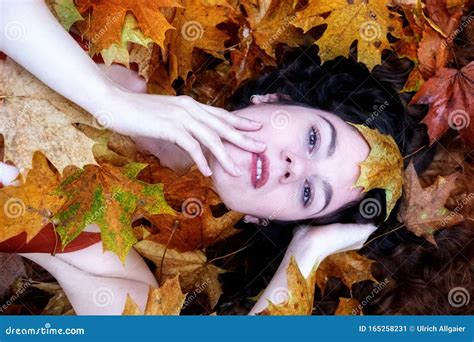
(182, 132)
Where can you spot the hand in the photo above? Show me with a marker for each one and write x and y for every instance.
(318, 242)
(180, 120)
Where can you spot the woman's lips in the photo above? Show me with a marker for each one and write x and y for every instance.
(259, 160)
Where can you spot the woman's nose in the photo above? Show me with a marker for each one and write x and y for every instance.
(294, 166)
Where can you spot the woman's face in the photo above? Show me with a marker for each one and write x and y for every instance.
(307, 170)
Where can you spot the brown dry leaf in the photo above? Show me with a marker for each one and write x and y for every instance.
(107, 18)
(165, 300)
(269, 23)
(423, 210)
(195, 27)
(300, 293)
(193, 268)
(30, 206)
(347, 306)
(450, 94)
(194, 226)
(35, 118)
(58, 304)
(350, 267)
(364, 21)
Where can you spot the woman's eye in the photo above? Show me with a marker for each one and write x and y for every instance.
(313, 139)
(306, 193)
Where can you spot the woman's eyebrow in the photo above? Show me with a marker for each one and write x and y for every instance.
(332, 144)
(327, 190)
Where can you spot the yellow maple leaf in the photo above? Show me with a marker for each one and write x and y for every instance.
(195, 25)
(368, 22)
(30, 206)
(300, 293)
(35, 118)
(350, 267)
(195, 272)
(165, 300)
(383, 168)
(107, 19)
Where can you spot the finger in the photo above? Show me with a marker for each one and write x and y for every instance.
(229, 133)
(192, 146)
(213, 142)
(232, 119)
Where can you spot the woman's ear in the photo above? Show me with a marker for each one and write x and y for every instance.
(267, 98)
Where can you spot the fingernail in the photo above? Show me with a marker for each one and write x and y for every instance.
(238, 170)
(256, 123)
(260, 145)
(208, 172)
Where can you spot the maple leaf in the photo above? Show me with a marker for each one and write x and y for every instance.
(347, 306)
(195, 25)
(300, 294)
(108, 17)
(118, 52)
(350, 267)
(195, 272)
(30, 206)
(423, 210)
(165, 300)
(66, 12)
(368, 22)
(450, 94)
(383, 168)
(269, 23)
(31, 109)
(107, 196)
(194, 225)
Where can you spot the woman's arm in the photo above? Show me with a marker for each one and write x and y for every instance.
(310, 245)
(31, 35)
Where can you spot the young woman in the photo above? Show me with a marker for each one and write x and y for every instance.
(286, 152)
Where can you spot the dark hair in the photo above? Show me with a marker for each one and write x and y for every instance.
(347, 89)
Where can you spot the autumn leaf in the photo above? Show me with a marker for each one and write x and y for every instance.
(350, 267)
(107, 19)
(195, 272)
(300, 294)
(423, 210)
(30, 206)
(118, 52)
(269, 23)
(195, 25)
(347, 306)
(382, 169)
(368, 22)
(66, 12)
(165, 300)
(31, 109)
(450, 94)
(109, 197)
